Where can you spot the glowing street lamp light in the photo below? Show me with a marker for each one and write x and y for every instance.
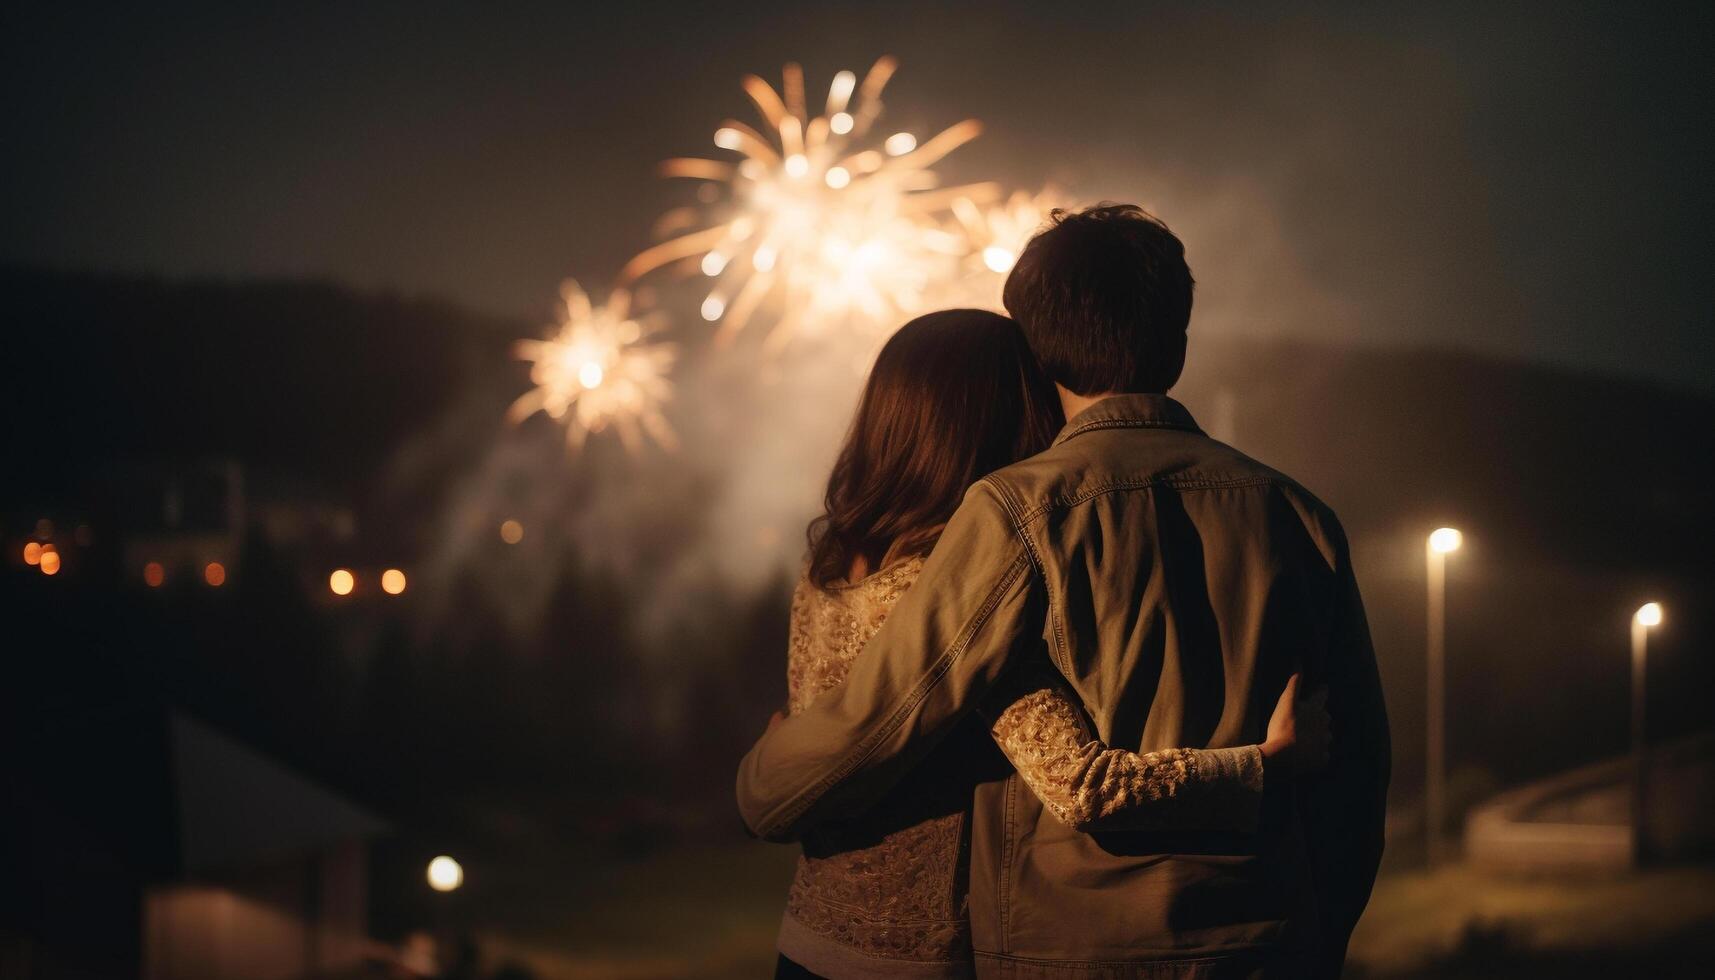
(1649, 614)
(445, 874)
(1645, 619)
(1445, 540)
(341, 581)
(1442, 542)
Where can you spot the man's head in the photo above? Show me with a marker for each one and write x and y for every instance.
(1104, 297)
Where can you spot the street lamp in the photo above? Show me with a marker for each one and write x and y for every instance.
(1442, 542)
(1647, 617)
(445, 874)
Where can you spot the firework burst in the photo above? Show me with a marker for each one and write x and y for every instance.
(819, 216)
(600, 370)
(998, 233)
(993, 234)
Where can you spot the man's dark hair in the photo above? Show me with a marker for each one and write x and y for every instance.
(1104, 297)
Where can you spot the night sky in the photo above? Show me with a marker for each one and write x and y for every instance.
(1528, 183)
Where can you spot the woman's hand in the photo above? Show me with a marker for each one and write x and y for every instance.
(1298, 731)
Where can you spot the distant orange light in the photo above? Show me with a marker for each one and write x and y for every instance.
(214, 573)
(50, 562)
(154, 574)
(511, 532)
(342, 581)
(33, 553)
(393, 581)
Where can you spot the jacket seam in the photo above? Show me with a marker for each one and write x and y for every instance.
(1013, 504)
(1020, 530)
(1008, 500)
(1091, 493)
(791, 812)
(1127, 423)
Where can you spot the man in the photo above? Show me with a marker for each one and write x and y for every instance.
(1176, 584)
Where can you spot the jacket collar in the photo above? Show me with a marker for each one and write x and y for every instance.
(1130, 412)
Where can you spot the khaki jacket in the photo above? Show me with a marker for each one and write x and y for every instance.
(1175, 583)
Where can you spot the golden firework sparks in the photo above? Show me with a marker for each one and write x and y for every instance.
(992, 235)
(599, 369)
(996, 234)
(820, 214)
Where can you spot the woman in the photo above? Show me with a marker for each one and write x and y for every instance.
(953, 396)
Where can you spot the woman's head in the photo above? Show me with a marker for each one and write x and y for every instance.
(953, 395)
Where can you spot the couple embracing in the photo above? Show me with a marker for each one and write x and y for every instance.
(1075, 690)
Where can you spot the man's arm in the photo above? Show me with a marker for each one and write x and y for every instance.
(943, 646)
(1346, 806)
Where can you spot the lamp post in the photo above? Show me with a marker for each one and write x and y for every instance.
(1442, 542)
(1647, 617)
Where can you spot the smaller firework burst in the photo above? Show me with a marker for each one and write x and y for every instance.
(600, 370)
(998, 233)
(992, 235)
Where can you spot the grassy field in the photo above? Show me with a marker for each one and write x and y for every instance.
(694, 912)
(1465, 922)
(712, 912)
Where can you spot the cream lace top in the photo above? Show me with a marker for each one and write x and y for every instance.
(897, 906)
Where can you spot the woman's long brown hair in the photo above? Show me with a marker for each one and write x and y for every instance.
(953, 396)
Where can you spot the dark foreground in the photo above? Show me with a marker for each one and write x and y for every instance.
(712, 912)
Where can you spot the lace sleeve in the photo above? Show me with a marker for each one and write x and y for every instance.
(1092, 787)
